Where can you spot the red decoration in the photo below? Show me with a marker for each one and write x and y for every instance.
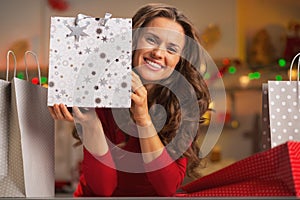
(60, 5)
(226, 61)
(35, 80)
(224, 117)
(292, 41)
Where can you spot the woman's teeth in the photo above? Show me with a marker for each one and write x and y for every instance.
(153, 64)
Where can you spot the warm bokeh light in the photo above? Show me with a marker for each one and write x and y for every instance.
(244, 81)
(232, 69)
(294, 74)
(282, 62)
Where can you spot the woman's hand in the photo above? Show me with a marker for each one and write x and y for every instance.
(93, 137)
(87, 117)
(83, 116)
(60, 112)
(139, 107)
(151, 145)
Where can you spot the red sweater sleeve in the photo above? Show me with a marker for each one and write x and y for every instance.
(169, 174)
(97, 178)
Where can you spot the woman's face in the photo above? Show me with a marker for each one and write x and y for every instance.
(158, 49)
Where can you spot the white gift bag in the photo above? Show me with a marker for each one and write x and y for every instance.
(284, 108)
(90, 61)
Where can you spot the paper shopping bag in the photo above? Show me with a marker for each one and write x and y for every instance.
(4, 123)
(284, 109)
(5, 87)
(265, 142)
(31, 143)
(90, 61)
(274, 172)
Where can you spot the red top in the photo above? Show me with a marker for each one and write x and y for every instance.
(119, 174)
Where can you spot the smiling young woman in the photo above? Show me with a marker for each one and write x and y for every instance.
(158, 147)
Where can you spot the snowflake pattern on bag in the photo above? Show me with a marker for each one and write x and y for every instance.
(90, 63)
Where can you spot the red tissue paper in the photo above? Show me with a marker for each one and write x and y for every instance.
(274, 172)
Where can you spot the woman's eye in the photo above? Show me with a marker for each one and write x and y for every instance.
(150, 40)
(172, 50)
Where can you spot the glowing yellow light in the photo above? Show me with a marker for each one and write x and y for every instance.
(294, 74)
(207, 115)
(244, 81)
(234, 124)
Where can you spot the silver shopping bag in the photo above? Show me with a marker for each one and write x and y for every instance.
(284, 109)
(5, 87)
(31, 142)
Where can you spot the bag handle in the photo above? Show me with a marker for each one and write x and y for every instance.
(37, 62)
(103, 21)
(291, 67)
(7, 63)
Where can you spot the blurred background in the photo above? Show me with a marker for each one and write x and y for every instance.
(251, 42)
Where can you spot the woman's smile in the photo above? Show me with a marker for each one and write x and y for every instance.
(153, 65)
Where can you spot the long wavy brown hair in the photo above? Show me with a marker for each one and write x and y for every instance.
(181, 127)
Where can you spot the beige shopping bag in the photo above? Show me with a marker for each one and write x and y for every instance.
(31, 142)
(5, 87)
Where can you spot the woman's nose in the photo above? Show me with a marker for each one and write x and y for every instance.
(158, 52)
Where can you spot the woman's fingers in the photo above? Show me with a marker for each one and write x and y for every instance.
(141, 92)
(84, 115)
(138, 99)
(77, 113)
(60, 112)
(136, 82)
(52, 112)
(65, 112)
(137, 86)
